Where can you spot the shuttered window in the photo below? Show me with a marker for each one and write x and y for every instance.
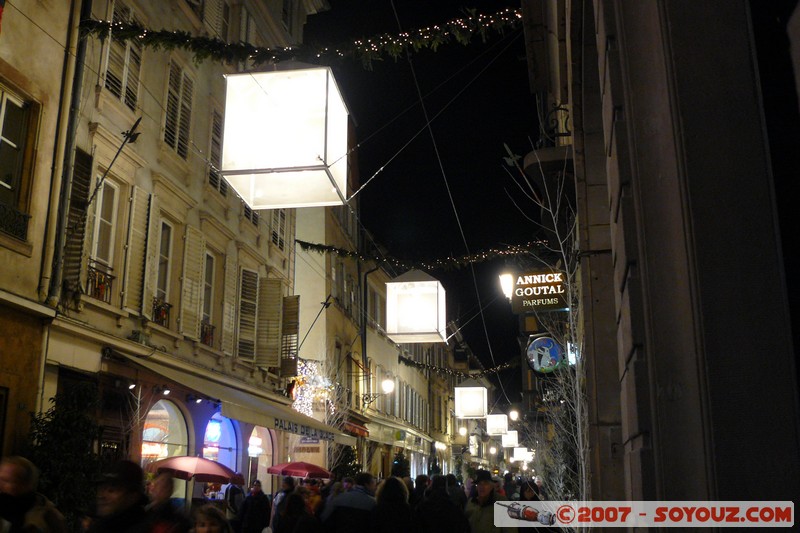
(14, 119)
(192, 282)
(179, 110)
(136, 250)
(216, 16)
(105, 224)
(248, 309)
(208, 288)
(269, 322)
(279, 228)
(164, 260)
(230, 293)
(124, 62)
(215, 178)
(76, 221)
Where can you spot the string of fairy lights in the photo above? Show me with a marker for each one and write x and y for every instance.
(444, 371)
(461, 30)
(447, 263)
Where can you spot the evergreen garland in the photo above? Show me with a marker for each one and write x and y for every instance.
(448, 263)
(461, 31)
(450, 372)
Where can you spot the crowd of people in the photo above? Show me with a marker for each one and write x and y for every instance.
(125, 504)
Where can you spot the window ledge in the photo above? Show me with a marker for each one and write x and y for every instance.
(178, 166)
(15, 245)
(100, 304)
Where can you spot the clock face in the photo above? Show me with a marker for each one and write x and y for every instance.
(544, 355)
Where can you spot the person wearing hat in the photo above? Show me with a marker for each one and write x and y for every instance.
(21, 507)
(120, 501)
(480, 509)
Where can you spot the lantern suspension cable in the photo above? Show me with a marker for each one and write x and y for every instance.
(428, 121)
(449, 192)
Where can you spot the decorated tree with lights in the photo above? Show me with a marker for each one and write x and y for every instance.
(561, 442)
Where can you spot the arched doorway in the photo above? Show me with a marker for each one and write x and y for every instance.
(165, 435)
(220, 443)
(259, 451)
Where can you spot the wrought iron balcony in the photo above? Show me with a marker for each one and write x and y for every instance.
(13, 222)
(161, 312)
(207, 334)
(100, 282)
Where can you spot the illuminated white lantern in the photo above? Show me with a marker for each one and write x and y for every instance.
(510, 439)
(285, 138)
(520, 454)
(496, 424)
(471, 399)
(415, 308)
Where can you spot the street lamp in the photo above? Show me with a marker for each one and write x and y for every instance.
(285, 138)
(507, 284)
(492, 450)
(387, 386)
(513, 414)
(462, 431)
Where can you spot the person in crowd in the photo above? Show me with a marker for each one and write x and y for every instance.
(542, 492)
(420, 486)
(529, 492)
(255, 510)
(210, 519)
(162, 516)
(304, 493)
(279, 500)
(392, 513)
(498, 488)
(233, 495)
(121, 501)
(456, 492)
(470, 490)
(509, 486)
(21, 507)
(438, 512)
(350, 512)
(348, 483)
(480, 509)
(409, 485)
(296, 518)
(315, 497)
(335, 489)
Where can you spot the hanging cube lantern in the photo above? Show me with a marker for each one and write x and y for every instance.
(285, 138)
(522, 454)
(496, 424)
(415, 308)
(471, 399)
(510, 439)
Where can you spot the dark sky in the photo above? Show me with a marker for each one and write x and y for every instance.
(481, 95)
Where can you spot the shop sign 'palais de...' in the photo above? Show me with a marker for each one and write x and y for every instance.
(539, 291)
(303, 430)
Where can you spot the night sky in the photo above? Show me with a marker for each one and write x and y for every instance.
(484, 88)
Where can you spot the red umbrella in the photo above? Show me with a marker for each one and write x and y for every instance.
(300, 469)
(184, 467)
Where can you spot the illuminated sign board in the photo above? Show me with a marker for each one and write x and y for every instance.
(539, 291)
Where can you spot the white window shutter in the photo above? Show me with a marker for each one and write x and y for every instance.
(135, 249)
(192, 282)
(213, 18)
(151, 259)
(248, 315)
(270, 316)
(229, 304)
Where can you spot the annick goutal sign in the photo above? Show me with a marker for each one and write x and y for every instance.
(539, 291)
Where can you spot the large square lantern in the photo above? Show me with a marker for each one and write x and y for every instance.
(496, 424)
(471, 399)
(415, 308)
(522, 454)
(510, 439)
(285, 138)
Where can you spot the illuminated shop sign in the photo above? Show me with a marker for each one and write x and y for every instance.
(302, 430)
(539, 291)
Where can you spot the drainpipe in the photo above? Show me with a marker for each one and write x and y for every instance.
(57, 273)
(364, 318)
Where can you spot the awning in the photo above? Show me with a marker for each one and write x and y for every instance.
(246, 406)
(356, 429)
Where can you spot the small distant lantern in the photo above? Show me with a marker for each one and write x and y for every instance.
(496, 424)
(520, 454)
(285, 138)
(471, 399)
(415, 308)
(510, 439)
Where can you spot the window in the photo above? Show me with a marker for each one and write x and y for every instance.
(124, 62)
(248, 311)
(208, 289)
(164, 254)
(179, 110)
(105, 226)
(250, 214)
(215, 179)
(377, 310)
(279, 228)
(14, 120)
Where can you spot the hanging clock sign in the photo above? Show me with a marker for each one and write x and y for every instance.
(544, 355)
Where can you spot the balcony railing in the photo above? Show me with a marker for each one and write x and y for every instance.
(100, 282)
(207, 334)
(13, 222)
(161, 312)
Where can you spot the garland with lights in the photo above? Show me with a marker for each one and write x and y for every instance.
(444, 371)
(460, 30)
(448, 263)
